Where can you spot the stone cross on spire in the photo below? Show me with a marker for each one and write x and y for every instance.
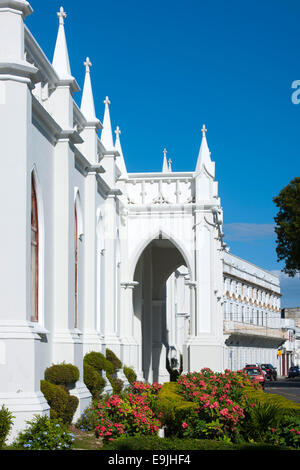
(61, 61)
(106, 101)
(61, 15)
(170, 164)
(203, 130)
(87, 64)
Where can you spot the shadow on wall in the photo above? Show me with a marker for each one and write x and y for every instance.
(156, 263)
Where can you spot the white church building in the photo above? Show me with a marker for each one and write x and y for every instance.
(93, 256)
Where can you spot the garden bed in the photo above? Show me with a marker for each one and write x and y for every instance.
(200, 411)
(85, 440)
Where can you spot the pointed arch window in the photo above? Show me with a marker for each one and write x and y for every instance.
(34, 263)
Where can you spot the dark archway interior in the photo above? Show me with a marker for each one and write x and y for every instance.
(157, 262)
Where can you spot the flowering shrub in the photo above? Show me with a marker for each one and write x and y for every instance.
(128, 415)
(145, 388)
(287, 432)
(148, 391)
(222, 403)
(45, 434)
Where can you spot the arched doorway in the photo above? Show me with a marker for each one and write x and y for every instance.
(155, 265)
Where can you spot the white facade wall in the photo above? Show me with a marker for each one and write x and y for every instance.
(151, 261)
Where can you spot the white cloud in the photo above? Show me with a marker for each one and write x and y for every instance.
(290, 289)
(240, 231)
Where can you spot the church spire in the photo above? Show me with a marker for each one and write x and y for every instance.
(106, 136)
(204, 153)
(87, 101)
(118, 147)
(61, 61)
(165, 168)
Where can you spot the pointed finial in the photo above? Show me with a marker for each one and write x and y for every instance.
(87, 64)
(107, 135)
(60, 60)
(165, 168)
(87, 101)
(120, 159)
(204, 159)
(61, 15)
(170, 162)
(118, 132)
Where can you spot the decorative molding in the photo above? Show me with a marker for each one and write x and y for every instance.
(44, 122)
(129, 284)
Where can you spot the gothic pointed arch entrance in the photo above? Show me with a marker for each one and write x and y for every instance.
(156, 263)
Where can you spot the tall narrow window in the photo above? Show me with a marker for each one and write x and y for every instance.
(34, 268)
(76, 264)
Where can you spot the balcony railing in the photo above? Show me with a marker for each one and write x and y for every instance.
(250, 329)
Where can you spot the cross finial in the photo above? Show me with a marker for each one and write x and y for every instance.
(203, 130)
(61, 15)
(87, 64)
(118, 131)
(106, 101)
(165, 152)
(170, 161)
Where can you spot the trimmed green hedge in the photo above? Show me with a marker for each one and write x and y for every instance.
(55, 389)
(173, 406)
(6, 422)
(288, 406)
(99, 362)
(62, 374)
(129, 374)
(62, 404)
(117, 384)
(93, 381)
(156, 444)
(110, 364)
(113, 359)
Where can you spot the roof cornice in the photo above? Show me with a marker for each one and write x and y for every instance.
(45, 68)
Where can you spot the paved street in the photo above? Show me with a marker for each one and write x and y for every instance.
(289, 388)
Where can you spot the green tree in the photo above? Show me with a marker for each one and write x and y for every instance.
(288, 227)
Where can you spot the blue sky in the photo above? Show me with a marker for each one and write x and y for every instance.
(168, 67)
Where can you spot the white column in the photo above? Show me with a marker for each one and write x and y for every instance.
(20, 365)
(67, 340)
(205, 346)
(91, 334)
(111, 339)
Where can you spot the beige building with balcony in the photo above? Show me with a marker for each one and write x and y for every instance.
(252, 314)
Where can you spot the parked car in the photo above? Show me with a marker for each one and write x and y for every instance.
(257, 365)
(294, 371)
(271, 372)
(256, 374)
